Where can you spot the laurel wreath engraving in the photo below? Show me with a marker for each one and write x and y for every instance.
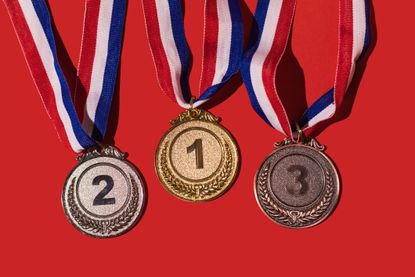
(197, 191)
(289, 217)
(103, 227)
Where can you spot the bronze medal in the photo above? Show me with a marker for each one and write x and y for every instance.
(297, 185)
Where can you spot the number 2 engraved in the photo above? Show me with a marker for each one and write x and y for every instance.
(100, 199)
(300, 185)
(197, 146)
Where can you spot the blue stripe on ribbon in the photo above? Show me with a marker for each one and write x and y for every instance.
(260, 16)
(236, 40)
(317, 107)
(177, 23)
(235, 52)
(367, 34)
(111, 69)
(43, 14)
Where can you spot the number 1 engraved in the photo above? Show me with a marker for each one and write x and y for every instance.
(100, 199)
(197, 146)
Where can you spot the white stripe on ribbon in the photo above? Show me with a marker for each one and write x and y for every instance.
(258, 59)
(169, 46)
(326, 113)
(99, 65)
(359, 32)
(48, 62)
(223, 50)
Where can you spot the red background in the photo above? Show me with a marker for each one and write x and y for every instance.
(370, 233)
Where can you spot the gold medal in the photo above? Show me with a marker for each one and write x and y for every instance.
(197, 159)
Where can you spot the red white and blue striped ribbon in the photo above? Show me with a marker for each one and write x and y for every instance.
(222, 47)
(274, 19)
(97, 71)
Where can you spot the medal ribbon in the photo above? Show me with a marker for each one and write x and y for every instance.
(274, 19)
(97, 71)
(222, 47)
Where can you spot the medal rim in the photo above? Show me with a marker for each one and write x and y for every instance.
(336, 195)
(141, 211)
(232, 180)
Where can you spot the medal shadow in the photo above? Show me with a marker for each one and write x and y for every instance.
(345, 110)
(74, 83)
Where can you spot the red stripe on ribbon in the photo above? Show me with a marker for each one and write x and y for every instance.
(273, 59)
(344, 62)
(161, 63)
(86, 59)
(210, 45)
(35, 64)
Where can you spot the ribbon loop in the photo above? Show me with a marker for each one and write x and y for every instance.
(222, 47)
(274, 19)
(97, 72)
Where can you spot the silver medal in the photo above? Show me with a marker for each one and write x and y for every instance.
(104, 196)
(297, 185)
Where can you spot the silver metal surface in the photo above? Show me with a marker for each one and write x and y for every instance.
(104, 195)
(297, 185)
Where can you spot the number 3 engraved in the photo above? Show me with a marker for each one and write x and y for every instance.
(197, 146)
(300, 186)
(100, 199)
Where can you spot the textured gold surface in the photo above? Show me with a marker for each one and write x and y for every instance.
(177, 164)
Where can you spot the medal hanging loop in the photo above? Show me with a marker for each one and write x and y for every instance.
(192, 101)
(222, 47)
(298, 135)
(260, 62)
(97, 71)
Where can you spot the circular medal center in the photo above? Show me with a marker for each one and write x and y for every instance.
(196, 154)
(297, 180)
(102, 190)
